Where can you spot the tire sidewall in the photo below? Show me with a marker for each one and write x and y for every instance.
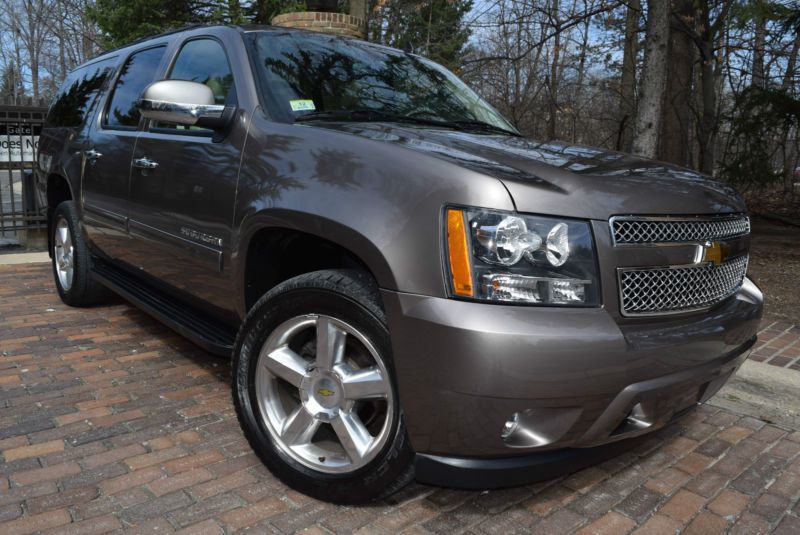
(359, 485)
(66, 211)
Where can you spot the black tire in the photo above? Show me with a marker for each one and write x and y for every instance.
(350, 296)
(84, 291)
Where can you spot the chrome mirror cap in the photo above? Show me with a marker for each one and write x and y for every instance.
(180, 102)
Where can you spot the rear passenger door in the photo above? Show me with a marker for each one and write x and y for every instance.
(183, 186)
(107, 156)
(66, 133)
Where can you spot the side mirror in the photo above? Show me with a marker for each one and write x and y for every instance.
(183, 102)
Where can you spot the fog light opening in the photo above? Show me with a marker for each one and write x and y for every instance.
(533, 428)
(510, 426)
(636, 420)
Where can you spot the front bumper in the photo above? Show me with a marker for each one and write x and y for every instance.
(583, 377)
(484, 473)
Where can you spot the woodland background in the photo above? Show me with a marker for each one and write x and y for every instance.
(713, 85)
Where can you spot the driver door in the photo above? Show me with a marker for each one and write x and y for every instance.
(183, 186)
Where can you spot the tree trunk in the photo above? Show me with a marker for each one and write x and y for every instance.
(576, 106)
(553, 86)
(654, 74)
(791, 63)
(675, 121)
(627, 107)
(19, 85)
(62, 39)
(705, 133)
(706, 37)
(759, 43)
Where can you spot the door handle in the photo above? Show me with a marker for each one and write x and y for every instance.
(145, 163)
(91, 154)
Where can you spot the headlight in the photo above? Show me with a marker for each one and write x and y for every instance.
(500, 256)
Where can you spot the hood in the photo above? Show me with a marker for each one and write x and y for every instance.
(560, 178)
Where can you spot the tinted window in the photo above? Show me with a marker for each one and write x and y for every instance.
(204, 61)
(77, 95)
(138, 72)
(305, 73)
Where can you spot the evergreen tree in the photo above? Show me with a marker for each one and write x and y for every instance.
(122, 21)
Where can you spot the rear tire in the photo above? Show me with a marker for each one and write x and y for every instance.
(314, 388)
(72, 262)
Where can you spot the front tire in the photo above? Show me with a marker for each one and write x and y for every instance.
(72, 261)
(314, 388)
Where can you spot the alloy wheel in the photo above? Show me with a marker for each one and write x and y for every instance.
(324, 393)
(63, 253)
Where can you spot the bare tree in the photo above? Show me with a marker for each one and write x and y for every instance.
(27, 20)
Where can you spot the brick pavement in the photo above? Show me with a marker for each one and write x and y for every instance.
(778, 344)
(111, 422)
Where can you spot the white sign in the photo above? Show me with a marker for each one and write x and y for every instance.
(18, 142)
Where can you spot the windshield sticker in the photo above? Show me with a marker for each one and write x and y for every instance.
(302, 105)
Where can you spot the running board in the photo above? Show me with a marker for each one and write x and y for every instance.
(211, 335)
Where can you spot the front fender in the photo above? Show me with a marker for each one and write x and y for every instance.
(379, 200)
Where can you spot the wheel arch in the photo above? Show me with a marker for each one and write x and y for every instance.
(301, 243)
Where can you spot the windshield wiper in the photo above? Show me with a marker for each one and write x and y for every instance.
(368, 114)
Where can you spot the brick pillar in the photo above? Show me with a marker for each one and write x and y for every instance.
(335, 23)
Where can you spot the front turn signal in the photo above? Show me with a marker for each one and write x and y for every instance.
(458, 251)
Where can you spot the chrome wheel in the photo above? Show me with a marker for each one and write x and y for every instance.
(63, 253)
(324, 394)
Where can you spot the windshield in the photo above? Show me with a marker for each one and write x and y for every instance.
(308, 74)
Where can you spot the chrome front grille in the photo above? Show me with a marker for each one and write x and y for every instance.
(648, 291)
(648, 230)
(698, 245)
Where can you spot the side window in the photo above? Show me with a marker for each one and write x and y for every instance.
(204, 61)
(138, 72)
(74, 100)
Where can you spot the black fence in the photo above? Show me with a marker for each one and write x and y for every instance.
(20, 209)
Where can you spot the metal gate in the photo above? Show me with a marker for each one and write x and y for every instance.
(20, 209)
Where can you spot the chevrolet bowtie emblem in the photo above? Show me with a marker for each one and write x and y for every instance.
(325, 392)
(716, 252)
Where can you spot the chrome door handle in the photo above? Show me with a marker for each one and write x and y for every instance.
(145, 163)
(91, 154)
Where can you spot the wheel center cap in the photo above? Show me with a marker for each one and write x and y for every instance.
(326, 391)
(322, 394)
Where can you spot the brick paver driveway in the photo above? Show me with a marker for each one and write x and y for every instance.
(110, 421)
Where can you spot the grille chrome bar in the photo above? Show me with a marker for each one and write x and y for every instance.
(677, 289)
(639, 230)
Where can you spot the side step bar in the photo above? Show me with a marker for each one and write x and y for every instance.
(199, 328)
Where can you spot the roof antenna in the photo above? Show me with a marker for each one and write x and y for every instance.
(408, 48)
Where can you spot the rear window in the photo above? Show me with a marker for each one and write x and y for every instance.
(77, 95)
